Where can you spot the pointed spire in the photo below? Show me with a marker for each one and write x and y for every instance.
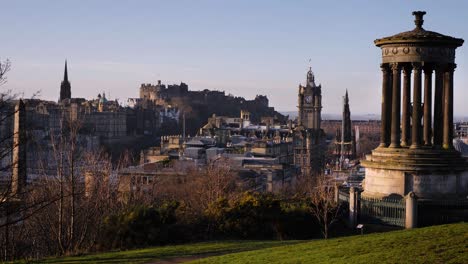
(65, 87)
(65, 75)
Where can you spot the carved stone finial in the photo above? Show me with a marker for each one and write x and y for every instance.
(418, 18)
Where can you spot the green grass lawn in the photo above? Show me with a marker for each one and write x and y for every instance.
(436, 244)
(156, 253)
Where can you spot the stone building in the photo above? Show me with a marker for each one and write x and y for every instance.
(416, 156)
(309, 138)
(366, 127)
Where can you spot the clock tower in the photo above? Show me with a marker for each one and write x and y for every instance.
(309, 138)
(310, 103)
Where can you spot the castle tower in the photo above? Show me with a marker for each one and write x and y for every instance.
(18, 181)
(420, 157)
(65, 87)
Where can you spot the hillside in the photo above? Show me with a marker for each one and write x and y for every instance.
(437, 244)
(162, 253)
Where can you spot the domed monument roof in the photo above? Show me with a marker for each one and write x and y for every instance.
(420, 36)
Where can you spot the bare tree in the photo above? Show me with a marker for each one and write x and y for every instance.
(4, 68)
(320, 190)
(16, 204)
(79, 183)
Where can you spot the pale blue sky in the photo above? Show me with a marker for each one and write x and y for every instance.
(242, 47)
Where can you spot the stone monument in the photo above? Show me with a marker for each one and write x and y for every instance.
(416, 153)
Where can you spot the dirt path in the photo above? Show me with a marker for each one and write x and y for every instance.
(173, 260)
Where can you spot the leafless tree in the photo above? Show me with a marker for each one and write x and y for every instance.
(4, 68)
(321, 191)
(82, 181)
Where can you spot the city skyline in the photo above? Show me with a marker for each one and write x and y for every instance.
(242, 48)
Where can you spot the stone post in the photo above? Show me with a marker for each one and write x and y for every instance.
(18, 181)
(396, 105)
(337, 193)
(411, 218)
(353, 207)
(405, 117)
(416, 129)
(385, 126)
(427, 129)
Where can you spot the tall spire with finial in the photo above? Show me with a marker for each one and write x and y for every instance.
(65, 87)
(346, 125)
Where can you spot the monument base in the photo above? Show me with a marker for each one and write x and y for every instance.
(430, 173)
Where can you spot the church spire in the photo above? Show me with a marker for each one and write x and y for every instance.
(65, 75)
(346, 99)
(65, 87)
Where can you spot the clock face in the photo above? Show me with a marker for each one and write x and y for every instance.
(308, 99)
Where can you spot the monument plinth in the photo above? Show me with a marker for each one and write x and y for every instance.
(416, 152)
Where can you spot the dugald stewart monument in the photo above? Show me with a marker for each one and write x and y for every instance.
(416, 154)
(175, 131)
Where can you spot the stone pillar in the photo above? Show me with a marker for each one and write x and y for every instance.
(353, 207)
(18, 179)
(411, 217)
(427, 129)
(396, 105)
(337, 193)
(405, 117)
(438, 105)
(448, 107)
(416, 115)
(385, 126)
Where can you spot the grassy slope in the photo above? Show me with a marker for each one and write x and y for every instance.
(155, 253)
(437, 244)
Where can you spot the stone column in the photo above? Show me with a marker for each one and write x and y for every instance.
(448, 107)
(19, 174)
(385, 126)
(427, 129)
(396, 105)
(337, 193)
(438, 105)
(353, 207)
(405, 117)
(411, 217)
(416, 115)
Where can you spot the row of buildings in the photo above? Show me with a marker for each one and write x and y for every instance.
(266, 152)
(266, 156)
